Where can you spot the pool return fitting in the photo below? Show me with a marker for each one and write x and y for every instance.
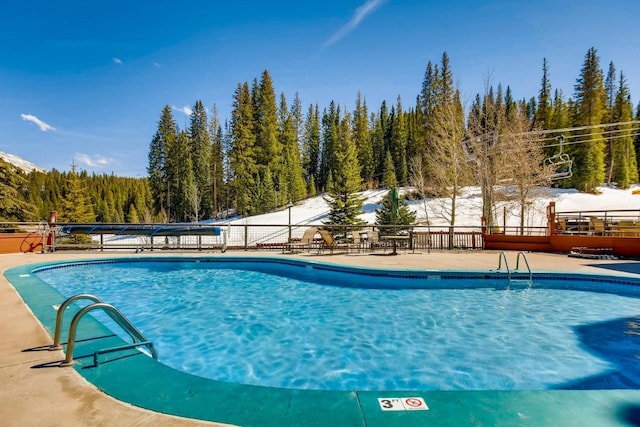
(116, 315)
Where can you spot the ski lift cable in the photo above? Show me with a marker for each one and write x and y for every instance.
(606, 134)
(580, 141)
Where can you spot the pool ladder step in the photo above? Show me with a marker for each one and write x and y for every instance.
(521, 255)
(139, 340)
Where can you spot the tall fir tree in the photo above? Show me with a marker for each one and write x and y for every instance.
(398, 142)
(76, 206)
(242, 159)
(345, 204)
(268, 149)
(624, 165)
(330, 124)
(589, 156)
(362, 138)
(200, 148)
(544, 112)
(311, 148)
(389, 179)
(294, 186)
(217, 161)
(157, 168)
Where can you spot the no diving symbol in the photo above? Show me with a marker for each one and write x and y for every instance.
(414, 403)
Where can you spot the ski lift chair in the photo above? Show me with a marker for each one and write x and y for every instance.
(560, 163)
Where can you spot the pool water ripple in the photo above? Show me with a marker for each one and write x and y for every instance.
(249, 327)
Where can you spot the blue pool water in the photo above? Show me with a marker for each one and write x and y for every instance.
(305, 326)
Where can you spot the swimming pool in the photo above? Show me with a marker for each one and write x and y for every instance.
(270, 322)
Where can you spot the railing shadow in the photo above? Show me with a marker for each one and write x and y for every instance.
(618, 342)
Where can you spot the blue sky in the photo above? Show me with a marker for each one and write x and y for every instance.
(85, 82)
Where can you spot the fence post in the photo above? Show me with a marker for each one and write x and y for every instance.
(246, 237)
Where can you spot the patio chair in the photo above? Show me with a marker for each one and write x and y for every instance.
(329, 242)
(356, 242)
(307, 241)
(374, 240)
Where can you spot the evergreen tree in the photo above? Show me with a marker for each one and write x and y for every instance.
(345, 204)
(217, 161)
(157, 168)
(311, 148)
(294, 186)
(589, 155)
(362, 139)
(389, 179)
(200, 148)
(75, 205)
(544, 112)
(268, 149)
(379, 139)
(13, 206)
(330, 125)
(624, 164)
(180, 177)
(242, 160)
(398, 142)
(385, 214)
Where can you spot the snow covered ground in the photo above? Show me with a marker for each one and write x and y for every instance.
(469, 207)
(469, 211)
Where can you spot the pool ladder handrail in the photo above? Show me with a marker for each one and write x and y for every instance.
(526, 262)
(116, 315)
(503, 256)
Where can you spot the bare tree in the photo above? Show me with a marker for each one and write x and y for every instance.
(446, 165)
(523, 167)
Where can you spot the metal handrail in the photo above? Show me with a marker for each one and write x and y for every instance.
(58, 332)
(502, 256)
(524, 257)
(138, 338)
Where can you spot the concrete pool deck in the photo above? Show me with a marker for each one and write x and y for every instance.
(55, 396)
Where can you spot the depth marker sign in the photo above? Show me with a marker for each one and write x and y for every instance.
(402, 404)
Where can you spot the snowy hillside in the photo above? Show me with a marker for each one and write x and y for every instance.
(20, 162)
(469, 207)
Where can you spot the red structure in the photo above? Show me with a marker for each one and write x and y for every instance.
(607, 232)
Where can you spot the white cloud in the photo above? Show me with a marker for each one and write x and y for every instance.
(117, 61)
(95, 161)
(186, 110)
(360, 14)
(44, 127)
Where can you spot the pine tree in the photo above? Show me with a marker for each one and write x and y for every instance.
(386, 216)
(311, 148)
(389, 179)
(200, 148)
(294, 186)
(330, 125)
(589, 97)
(268, 149)
(544, 112)
(75, 205)
(242, 159)
(624, 163)
(398, 142)
(180, 177)
(379, 139)
(13, 207)
(157, 168)
(362, 138)
(217, 161)
(344, 202)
